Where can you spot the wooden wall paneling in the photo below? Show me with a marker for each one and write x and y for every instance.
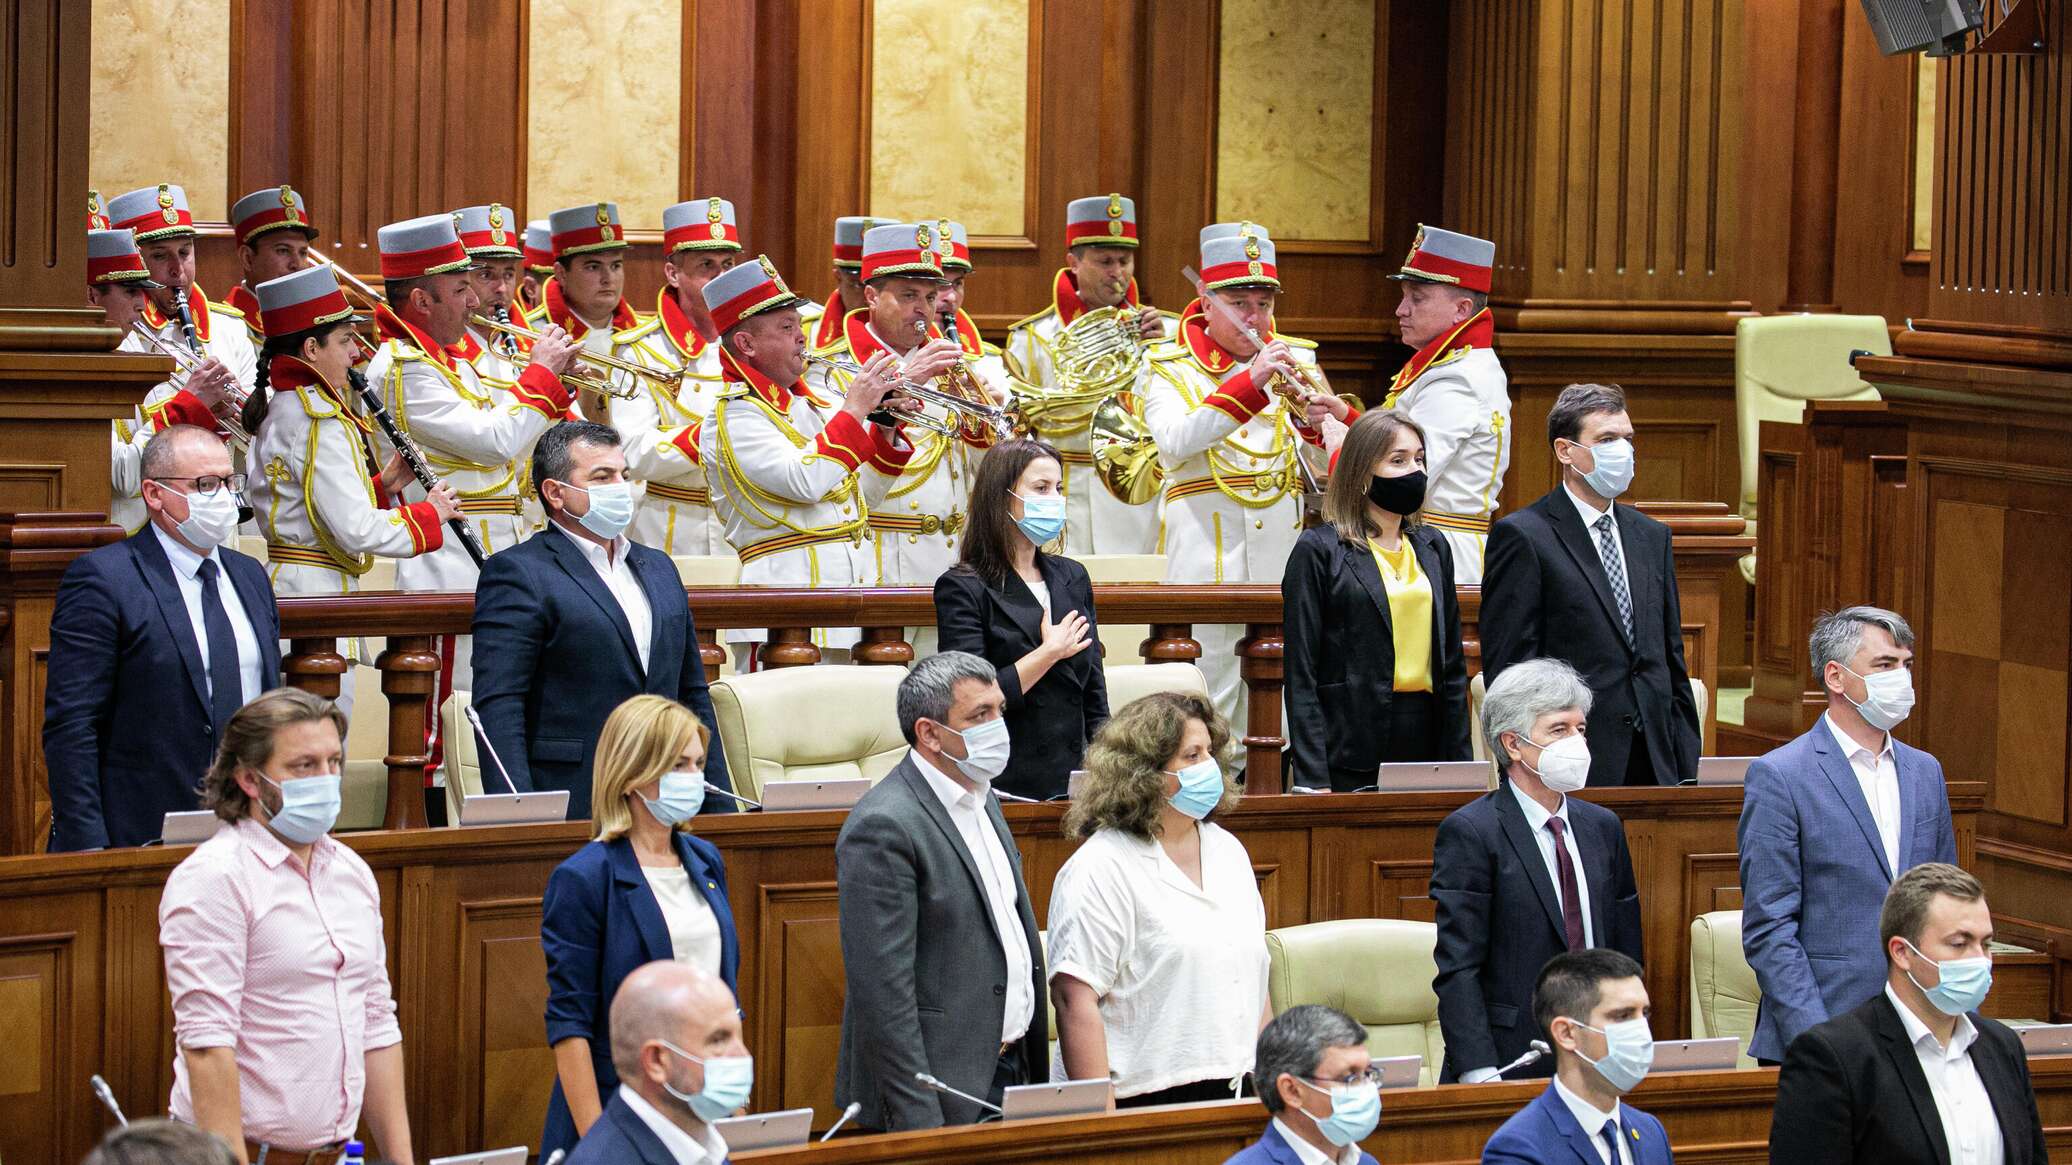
(767, 200)
(51, 1000)
(1875, 271)
(262, 85)
(831, 67)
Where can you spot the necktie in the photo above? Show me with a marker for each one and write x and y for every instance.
(1614, 571)
(1571, 905)
(226, 686)
(1610, 1132)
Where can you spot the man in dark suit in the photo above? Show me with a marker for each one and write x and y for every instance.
(939, 942)
(576, 620)
(676, 1044)
(155, 642)
(1524, 873)
(1915, 1076)
(1594, 1009)
(1575, 576)
(1827, 821)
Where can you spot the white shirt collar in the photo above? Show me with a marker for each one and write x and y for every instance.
(1849, 747)
(1308, 1154)
(1536, 814)
(1917, 1032)
(186, 563)
(681, 1145)
(1590, 1117)
(591, 550)
(955, 797)
(1589, 513)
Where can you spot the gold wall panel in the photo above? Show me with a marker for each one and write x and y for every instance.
(617, 135)
(161, 100)
(1922, 233)
(950, 112)
(1295, 117)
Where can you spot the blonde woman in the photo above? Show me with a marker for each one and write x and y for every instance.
(1157, 931)
(644, 889)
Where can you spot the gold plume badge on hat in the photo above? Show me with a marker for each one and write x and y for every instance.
(604, 223)
(93, 202)
(715, 217)
(1416, 245)
(1115, 214)
(770, 269)
(165, 203)
(288, 203)
(496, 223)
(944, 244)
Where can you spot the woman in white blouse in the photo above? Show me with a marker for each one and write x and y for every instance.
(1157, 931)
(645, 889)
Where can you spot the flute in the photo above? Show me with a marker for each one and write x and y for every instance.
(414, 458)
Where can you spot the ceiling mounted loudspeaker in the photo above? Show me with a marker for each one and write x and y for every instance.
(1937, 27)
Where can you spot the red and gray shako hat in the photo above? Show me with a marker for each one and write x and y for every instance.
(702, 224)
(1239, 261)
(952, 245)
(1101, 221)
(489, 231)
(1442, 256)
(591, 227)
(154, 212)
(745, 290)
(849, 232)
(96, 217)
(539, 246)
(112, 257)
(276, 208)
(902, 248)
(301, 300)
(417, 247)
(1233, 230)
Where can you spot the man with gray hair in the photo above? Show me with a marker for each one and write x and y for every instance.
(1528, 863)
(939, 941)
(1316, 1078)
(1827, 822)
(676, 1043)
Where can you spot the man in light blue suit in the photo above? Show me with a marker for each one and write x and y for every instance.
(1593, 1008)
(1827, 822)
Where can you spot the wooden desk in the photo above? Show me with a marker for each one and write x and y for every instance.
(1712, 1118)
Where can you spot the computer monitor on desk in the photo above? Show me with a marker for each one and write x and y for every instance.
(1723, 770)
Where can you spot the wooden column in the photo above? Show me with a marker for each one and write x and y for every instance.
(886, 646)
(791, 647)
(315, 666)
(1816, 123)
(409, 673)
(1260, 663)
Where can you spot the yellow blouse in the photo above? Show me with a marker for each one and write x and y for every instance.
(1410, 613)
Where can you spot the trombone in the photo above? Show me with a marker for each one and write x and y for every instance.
(184, 364)
(963, 410)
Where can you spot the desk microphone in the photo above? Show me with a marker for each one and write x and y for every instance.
(107, 1098)
(939, 1086)
(1534, 1053)
(855, 1106)
(1004, 795)
(482, 734)
(712, 788)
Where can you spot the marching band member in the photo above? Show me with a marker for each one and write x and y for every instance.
(539, 264)
(823, 322)
(96, 218)
(325, 503)
(1233, 492)
(985, 360)
(1099, 272)
(587, 295)
(676, 515)
(918, 522)
(489, 233)
(793, 475)
(165, 236)
(1454, 388)
(273, 237)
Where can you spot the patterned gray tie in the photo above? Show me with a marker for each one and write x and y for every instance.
(1615, 572)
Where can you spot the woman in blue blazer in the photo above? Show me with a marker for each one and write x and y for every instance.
(645, 889)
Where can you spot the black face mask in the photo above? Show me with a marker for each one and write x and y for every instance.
(1398, 495)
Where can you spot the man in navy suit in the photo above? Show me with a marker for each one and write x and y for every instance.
(1577, 577)
(1827, 822)
(676, 1043)
(155, 642)
(1594, 1009)
(1314, 1074)
(1524, 873)
(575, 620)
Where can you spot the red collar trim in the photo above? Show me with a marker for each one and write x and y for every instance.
(1207, 352)
(1477, 331)
(967, 335)
(469, 348)
(677, 323)
(242, 299)
(830, 327)
(559, 312)
(394, 327)
(288, 373)
(197, 306)
(774, 394)
(1064, 296)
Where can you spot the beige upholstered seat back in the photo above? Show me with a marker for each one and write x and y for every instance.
(464, 758)
(824, 722)
(1723, 987)
(1120, 643)
(1131, 681)
(1781, 362)
(1377, 970)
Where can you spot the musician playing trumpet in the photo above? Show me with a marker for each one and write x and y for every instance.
(491, 236)
(1099, 273)
(586, 296)
(1216, 401)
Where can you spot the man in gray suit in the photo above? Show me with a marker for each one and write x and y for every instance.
(939, 941)
(1827, 822)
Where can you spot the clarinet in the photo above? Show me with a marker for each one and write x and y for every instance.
(414, 458)
(186, 320)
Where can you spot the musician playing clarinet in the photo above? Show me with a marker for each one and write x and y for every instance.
(326, 504)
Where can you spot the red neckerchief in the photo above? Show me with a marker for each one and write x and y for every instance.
(1208, 353)
(242, 299)
(830, 328)
(394, 327)
(1064, 296)
(774, 394)
(197, 307)
(1477, 331)
(676, 323)
(559, 312)
(864, 344)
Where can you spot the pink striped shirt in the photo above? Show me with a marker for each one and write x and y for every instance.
(285, 967)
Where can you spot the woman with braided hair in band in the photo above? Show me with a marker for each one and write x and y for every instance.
(325, 510)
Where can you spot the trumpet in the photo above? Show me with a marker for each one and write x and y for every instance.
(963, 411)
(184, 364)
(596, 361)
(1290, 390)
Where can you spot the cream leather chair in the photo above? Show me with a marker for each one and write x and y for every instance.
(1477, 689)
(251, 546)
(809, 723)
(463, 749)
(1119, 643)
(1132, 681)
(363, 787)
(1780, 363)
(708, 570)
(1377, 970)
(1724, 993)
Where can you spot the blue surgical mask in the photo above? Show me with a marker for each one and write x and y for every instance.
(1962, 983)
(1612, 468)
(678, 800)
(1355, 1112)
(1201, 789)
(1629, 1051)
(1043, 518)
(728, 1080)
(309, 807)
(611, 508)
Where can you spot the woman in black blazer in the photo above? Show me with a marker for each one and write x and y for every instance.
(1029, 614)
(1360, 691)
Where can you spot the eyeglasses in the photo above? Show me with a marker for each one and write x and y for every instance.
(1370, 1074)
(209, 483)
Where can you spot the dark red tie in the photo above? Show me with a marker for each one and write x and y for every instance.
(1571, 904)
